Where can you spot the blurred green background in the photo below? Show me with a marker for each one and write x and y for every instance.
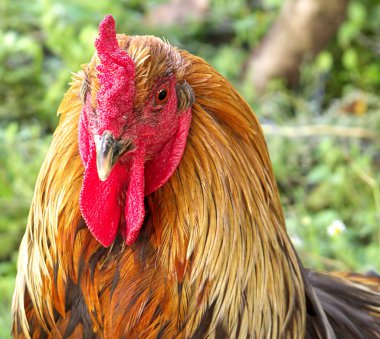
(330, 184)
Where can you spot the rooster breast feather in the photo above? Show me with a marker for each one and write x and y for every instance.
(212, 257)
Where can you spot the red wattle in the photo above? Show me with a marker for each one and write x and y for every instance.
(134, 199)
(99, 200)
(101, 204)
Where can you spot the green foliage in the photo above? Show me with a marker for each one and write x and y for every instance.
(329, 185)
(355, 49)
(21, 155)
(326, 180)
(7, 274)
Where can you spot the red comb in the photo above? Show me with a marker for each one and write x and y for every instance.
(116, 77)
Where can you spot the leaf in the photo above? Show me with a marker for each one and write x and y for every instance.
(350, 59)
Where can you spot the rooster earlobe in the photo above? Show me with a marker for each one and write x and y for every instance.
(185, 96)
(160, 169)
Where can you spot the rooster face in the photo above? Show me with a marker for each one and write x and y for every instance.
(133, 135)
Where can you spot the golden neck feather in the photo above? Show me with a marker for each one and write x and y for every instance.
(217, 227)
(221, 217)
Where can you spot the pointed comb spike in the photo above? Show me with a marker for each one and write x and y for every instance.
(116, 78)
(107, 46)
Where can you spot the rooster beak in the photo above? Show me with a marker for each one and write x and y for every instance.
(107, 150)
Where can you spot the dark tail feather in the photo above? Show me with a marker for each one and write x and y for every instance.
(352, 309)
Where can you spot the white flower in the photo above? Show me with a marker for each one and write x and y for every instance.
(336, 228)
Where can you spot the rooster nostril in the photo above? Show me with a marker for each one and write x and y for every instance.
(108, 142)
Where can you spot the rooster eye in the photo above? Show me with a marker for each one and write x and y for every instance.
(161, 95)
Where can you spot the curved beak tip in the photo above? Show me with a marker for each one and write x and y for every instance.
(103, 174)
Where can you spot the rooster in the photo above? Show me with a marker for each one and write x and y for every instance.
(156, 215)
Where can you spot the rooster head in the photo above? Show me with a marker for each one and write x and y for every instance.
(129, 150)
